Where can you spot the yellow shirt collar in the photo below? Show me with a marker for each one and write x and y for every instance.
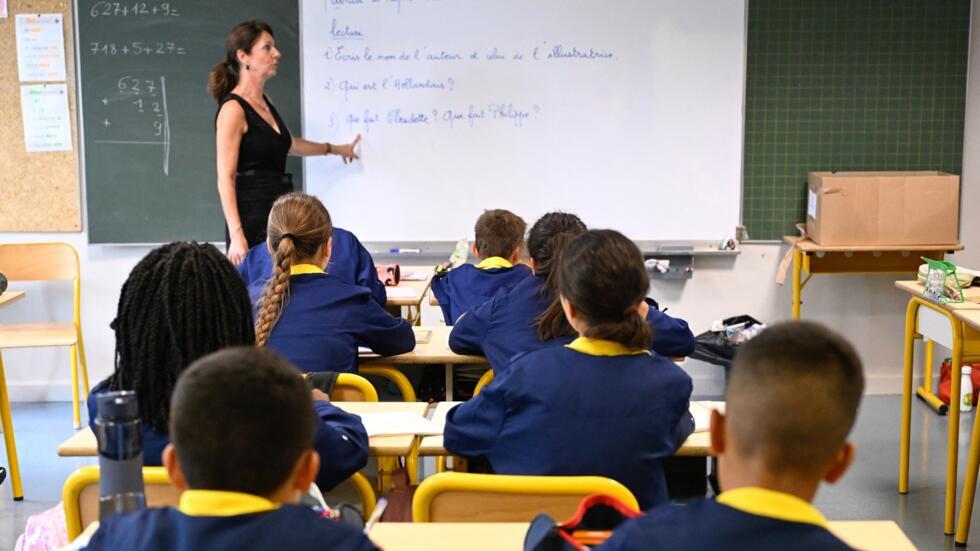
(300, 269)
(772, 504)
(600, 347)
(494, 262)
(214, 503)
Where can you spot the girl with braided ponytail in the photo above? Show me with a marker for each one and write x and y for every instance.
(530, 317)
(315, 319)
(606, 383)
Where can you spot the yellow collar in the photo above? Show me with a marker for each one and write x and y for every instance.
(600, 347)
(300, 269)
(772, 504)
(494, 262)
(214, 503)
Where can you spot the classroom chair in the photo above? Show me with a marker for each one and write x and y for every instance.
(459, 464)
(463, 497)
(394, 376)
(40, 262)
(80, 495)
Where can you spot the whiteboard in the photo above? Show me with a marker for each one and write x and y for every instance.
(626, 112)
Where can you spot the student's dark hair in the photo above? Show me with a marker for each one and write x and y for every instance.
(181, 302)
(298, 227)
(545, 243)
(498, 233)
(793, 395)
(240, 420)
(602, 275)
(224, 76)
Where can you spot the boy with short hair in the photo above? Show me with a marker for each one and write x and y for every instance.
(499, 245)
(241, 427)
(792, 398)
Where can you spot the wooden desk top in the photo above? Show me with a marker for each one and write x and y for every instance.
(436, 351)
(83, 443)
(445, 536)
(416, 288)
(971, 295)
(10, 296)
(697, 444)
(808, 246)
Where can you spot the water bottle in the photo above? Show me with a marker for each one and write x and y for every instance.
(120, 436)
(966, 389)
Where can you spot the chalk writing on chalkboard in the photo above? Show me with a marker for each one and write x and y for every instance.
(147, 98)
(133, 9)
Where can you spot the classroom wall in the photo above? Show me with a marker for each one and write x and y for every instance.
(865, 308)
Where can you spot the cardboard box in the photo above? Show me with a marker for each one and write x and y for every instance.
(883, 208)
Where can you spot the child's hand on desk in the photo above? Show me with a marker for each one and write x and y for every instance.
(319, 395)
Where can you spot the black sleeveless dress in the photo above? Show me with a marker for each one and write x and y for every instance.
(260, 177)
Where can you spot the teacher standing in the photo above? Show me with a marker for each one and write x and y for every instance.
(252, 140)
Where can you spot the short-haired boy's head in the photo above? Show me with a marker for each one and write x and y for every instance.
(240, 419)
(499, 232)
(793, 395)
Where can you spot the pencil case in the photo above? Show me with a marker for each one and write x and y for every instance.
(389, 274)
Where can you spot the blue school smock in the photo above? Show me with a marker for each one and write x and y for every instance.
(349, 261)
(326, 319)
(340, 439)
(592, 407)
(220, 521)
(742, 519)
(461, 289)
(505, 326)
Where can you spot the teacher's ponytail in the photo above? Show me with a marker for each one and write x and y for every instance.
(225, 75)
(299, 226)
(602, 276)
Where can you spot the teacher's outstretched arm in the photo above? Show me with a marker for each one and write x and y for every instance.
(230, 128)
(306, 148)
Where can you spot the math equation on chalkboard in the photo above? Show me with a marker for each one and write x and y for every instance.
(142, 100)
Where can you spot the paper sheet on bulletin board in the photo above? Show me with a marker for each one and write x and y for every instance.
(39, 191)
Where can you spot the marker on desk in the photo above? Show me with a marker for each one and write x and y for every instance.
(379, 509)
(397, 250)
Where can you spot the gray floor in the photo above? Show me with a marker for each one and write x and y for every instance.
(868, 491)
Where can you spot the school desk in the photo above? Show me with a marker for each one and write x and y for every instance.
(855, 259)
(436, 351)
(934, 322)
(10, 296)
(870, 535)
(83, 444)
(971, 319)
(698, 444)
(410, 293)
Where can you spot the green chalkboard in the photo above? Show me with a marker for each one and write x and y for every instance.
(148, 120)
(848, 85)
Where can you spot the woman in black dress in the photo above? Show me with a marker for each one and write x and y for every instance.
(252, 140)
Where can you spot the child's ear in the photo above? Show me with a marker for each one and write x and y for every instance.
(306, 470)
(172, 464)
(570, 313)
(473, 250)
(516, 255)
(840, 462)
(718, 431)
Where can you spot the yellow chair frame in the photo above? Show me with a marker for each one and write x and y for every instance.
(86, 477)
(521, 488)
(350, 382)
(393, 375)
(41, 262)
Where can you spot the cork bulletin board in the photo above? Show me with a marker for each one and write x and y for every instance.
(39, 192)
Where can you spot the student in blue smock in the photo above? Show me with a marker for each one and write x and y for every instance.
(601, 405)
(184, 301)
(349, 261)
(499, 245)
(793, 394)
(529, 316)
(242, 456)
(313, 318)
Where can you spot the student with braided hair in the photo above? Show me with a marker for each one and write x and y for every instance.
(313, 318)
(630, 405)
(184, 301)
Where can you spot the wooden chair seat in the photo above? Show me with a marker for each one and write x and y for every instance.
(37, 335)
